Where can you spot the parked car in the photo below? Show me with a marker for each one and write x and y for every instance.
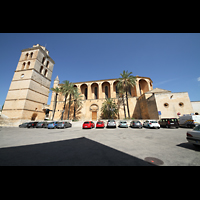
(151, 124)
(32, 124)
(123, 124)
(63, 124)
(111, 123)
(193, 136)
(52, 125)
(88, 124)
(169, 122)
(40, 124)
(45, 125)
(24, 125)
(136, 124)
(100, 124)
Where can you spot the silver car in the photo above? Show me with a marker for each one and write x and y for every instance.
(123, 124)
(111, 123)
(193, 136)
(63, 124)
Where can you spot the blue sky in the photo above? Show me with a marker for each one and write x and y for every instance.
(171, 60)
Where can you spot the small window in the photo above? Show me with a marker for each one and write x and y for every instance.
(47, 65)
(26, 56)
(22, 75)
(181, 104)
(31, 55)
(166, 105)
(28, 64)
(41, 69)
(43, 60)
(23, 65)
(45, 73)
(106, 92)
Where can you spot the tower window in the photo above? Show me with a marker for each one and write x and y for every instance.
(41, 69)
(181, 104)
(31, 55)
(43, 60)
(45, 73)
(28, 65)
(26, 56)
(23, 65)
(47, 65)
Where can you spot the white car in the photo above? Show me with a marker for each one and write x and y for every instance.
(151, 124)
(193, 136)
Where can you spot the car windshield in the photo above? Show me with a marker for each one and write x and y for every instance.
(111, 120)
(99, 122)
(123, 122)
(60, 122)
(197, 128)
(137, 122)
(153, 121)
(86, 122)
(39, 123)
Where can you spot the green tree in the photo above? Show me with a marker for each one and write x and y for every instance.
(109, 109)
(77, 101)
(67, 89)
(126, 81)
(56, 90)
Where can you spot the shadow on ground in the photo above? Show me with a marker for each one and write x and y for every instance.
(75, 152)
(187, 145)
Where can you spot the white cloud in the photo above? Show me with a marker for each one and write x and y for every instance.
(198, 79)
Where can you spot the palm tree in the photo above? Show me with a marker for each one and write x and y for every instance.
(121, 97)
(67, 89)
(56, 90)
(109, 109)
(77, 100)
(125, 82)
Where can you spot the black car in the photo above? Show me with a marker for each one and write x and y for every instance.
(24, 125)
(32, 124)
(169, 122)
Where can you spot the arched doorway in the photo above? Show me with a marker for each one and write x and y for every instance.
(94, 108)
(34, 115)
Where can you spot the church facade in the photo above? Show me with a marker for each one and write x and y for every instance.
(144, 101)
(29, 91)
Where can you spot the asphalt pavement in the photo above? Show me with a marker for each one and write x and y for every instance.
(96, 147)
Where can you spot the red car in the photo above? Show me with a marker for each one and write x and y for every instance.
(100, 124)
(88, 124)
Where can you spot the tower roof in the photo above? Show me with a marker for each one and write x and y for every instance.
(57, 79)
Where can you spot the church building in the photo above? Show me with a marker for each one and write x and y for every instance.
(29, 90)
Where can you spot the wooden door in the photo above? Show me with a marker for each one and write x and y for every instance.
(94, 115)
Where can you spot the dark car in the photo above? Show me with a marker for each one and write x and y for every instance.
(169, 122)
(63, 124)
(32, 124)
(136, 124)
(40, 124)
(24, 125)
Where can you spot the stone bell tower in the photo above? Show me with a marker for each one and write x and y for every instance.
(29, 89)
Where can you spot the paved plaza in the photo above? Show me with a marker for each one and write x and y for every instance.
(96, 147)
